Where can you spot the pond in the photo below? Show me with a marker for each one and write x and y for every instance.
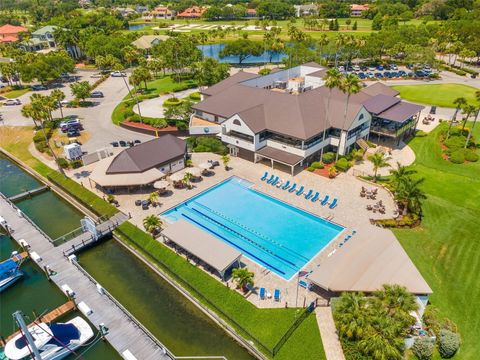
(213, 51)
(173, 319)
(137, 26)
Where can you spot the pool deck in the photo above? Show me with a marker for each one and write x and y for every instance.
(350, 213)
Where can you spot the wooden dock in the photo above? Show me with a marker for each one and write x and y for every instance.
(53, 315)
(125, 332)
(28, 193)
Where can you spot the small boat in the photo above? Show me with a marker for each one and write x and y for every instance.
(48, 342)
(9, 273)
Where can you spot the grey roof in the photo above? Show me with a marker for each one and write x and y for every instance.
(200, 243)
(380, 103)
(228, 82)
(45, 29)
(147, 41)
(367, 262)
(279, 155)
(379, 88)
(401, 112)
(148, 155)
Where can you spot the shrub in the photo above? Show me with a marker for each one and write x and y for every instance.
(206, 144)
(41, 146)
(455, 142)
(317, 165)
(159, 123)
(448, 343)
(371, 144)
(342, 165)
(457, 157)
(75, 164)
(181, 125)
(328, 158)
(173, 101)
(195, 96)
(311, 169)
(128, 114)
(63, 163)
(471, 156)
(264, 71)
(423, 348)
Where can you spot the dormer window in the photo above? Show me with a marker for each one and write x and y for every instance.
(237, 122)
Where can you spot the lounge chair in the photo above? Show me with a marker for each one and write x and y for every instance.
(325, 200)
(315, 197)
(287, 184)
(309, 194)
(264, 177)
(279, 184)
(300, 191)
(262, 294)
(305, 284)
(333, 203)
(276, 295)
(275, 181)
(293, 188)
(271, 179)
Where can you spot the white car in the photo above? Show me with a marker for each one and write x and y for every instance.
(11, 102)
(118, 74)
(64, 102)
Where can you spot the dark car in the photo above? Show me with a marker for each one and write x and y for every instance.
(96, 94)
(73, 133)
(72, 127)
(38, 87)
(379, 67)
(123, 143)
(379, 75)
(362, 76)
(136, 142)
(114, 143)
(420, 73)
(433, 110)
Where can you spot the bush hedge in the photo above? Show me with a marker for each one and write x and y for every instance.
(457, 156)
(423, 348)
(317, 165)
(173, 101)
(206, 144)
(448, 343)
(342, 165)
(471, 155)
(328, 157)
(311, 169)
(195, 96)
(63, 163)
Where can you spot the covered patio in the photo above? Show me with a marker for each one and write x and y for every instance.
(213, 252)
(278, 156)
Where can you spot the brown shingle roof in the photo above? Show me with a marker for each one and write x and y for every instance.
(401, 112)
(379, 88)
(228, 82)
(380, 103)
(148, 155)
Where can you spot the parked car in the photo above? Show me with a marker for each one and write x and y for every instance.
(394, 67)
(64, 102)
(356, 68)
(73, 133)
(118, 74)
(71, 121)
(96, 94)
(380, 67)
(362, 76)
(38, 87)
(136, 142)
(114, 143)
(433, 110)
(123, 143)
(379, 75)
(11, 102)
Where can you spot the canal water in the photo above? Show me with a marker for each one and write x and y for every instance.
(213, 51)
(34, 293)
(174, 320)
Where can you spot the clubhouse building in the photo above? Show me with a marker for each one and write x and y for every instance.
(281, 117)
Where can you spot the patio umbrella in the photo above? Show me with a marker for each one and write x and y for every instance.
(178, 176)
(195, 171)
(205, 166)
(161, 184)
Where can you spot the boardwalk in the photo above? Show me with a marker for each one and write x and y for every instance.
(29, 193)
(124, 334)
(328, 332)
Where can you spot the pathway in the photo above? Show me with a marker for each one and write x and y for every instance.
(124, 334)
(330, 340)
(154, 107)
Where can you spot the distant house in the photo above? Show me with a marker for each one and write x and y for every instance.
(11, 33)
(126, 11)
(194, 12)
(357, 10)
(84, 3)
(45, 36)
(146, 42)
(306, 9)
(43, 39)
(251, 13)
(160, 12)
(141, 9)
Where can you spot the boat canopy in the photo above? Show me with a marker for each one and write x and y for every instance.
(7, 267)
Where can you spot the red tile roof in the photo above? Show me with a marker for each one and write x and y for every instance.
(11, 29)
(193, 12)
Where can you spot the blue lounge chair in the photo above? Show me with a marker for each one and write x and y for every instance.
(262, 293)
(325, 200)
(287, 184)
(275, 181)
(293, 188)
(276, 295)
(264, 177)
(305, 284)
(271, 179)
(300, 191)
(309, 194)
(333, 203)
(315, 197)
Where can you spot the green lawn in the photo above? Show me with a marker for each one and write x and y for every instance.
(436, 94)
(265, 325)
(15, 93)
(446, 247)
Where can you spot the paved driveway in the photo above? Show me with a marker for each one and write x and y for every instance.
(96, 120)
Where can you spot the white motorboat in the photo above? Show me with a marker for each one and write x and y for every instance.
(49, 342)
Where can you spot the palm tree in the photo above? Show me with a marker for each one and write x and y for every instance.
(379, 160)
(351, 316)
(350, 85)
(459, 103)
(58, 96)
(333, 79)
(322, 42)
(396, 298)
(225, 160)
(187, 178)
(153, 198)
(243, 277)
(399, 175)
(410, 195)
(381, 344)
(152, 224)
(468, 110)
(474, 122)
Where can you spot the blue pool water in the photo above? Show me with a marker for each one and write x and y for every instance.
(272, 233)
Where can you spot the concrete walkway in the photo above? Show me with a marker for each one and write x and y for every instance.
(331, 342)
(154, 107)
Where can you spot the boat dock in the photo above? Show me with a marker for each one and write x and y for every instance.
(125, 333)
(53, 315)
(28, 193)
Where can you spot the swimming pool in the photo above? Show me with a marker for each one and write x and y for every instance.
(272, 233)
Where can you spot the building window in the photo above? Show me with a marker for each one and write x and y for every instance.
(237, 122)
(162, 169)
(360, 117)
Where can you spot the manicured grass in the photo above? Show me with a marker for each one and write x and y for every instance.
(446, 247)
(15, 93)
(265, 325)
(437, 94)
(16, 141)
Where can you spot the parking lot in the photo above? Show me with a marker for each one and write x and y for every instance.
(391, 71)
